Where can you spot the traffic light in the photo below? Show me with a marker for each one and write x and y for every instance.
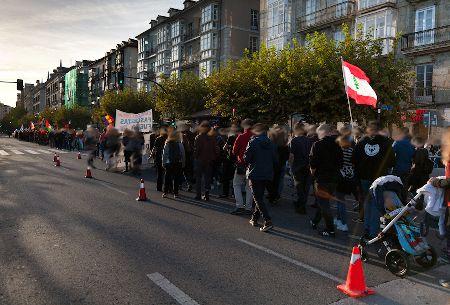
(19, 85)
(120, 79)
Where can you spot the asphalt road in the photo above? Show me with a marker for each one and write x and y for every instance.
(65, 239)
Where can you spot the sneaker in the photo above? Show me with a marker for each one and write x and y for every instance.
(206, 197)
(358, 220)
(326, 233)
(444, 283)
(267, 226)
(164, 195)
(253, 222)
(238, 211)
(313, 225)
(342, 227)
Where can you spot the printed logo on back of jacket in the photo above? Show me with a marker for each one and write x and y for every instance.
(371, 150)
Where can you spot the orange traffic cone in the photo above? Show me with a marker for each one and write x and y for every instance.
(79, 156)
(355, 285)
(58, 162)
(142, 194)
(88, 173)
(54, 158)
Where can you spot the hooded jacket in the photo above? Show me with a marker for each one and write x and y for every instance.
(261, 158)
(326, 159)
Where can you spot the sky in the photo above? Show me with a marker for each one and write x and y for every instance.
(36, 34)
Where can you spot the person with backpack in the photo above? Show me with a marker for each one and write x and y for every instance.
(173, 160)
(422, 166)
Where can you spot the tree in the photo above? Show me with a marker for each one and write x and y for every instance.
(78, 116)
(127, 100)
(270, 86)
(181, 96)
(12, 120)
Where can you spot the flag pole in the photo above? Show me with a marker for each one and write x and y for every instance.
(348, 99)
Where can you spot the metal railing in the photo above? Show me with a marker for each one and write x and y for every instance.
(365, 4)
(190, 59)
(326, 15)
(427, 38)
(190, 35)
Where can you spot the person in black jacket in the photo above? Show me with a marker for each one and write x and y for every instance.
(373, 157)
(279, 138)
(326, 160)
(157, 153)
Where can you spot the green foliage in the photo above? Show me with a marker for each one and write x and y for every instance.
(78, 116)
(181, 96)
(12, 120)
(269, 86)
(127, 100)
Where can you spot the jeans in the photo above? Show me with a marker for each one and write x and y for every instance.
(324, 192)
(172, 177)
(258, 187)
(341, 209)
(238, 182)
(302, 180)
(203, 173)
(371, 218)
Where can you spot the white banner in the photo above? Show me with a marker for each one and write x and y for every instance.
(126, 120)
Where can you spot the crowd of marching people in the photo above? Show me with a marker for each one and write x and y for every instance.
(249, 162)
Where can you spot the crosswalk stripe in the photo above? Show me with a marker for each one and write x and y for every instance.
(17, 152)
(44, 151)
(58, 151)
(3, 153)
(31, 152)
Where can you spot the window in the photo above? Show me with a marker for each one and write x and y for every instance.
(310, 10)
(208, 41)
(207, 67)
(424, 26)
(338, 36)
(254, 44)
(380, 25)
(424, 80)
(210, 13)
(363, 4)
(279, 19)
(254, 24)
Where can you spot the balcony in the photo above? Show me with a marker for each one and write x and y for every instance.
(327, 16)
(190, 60)
(191, 36)
(423, 95)
(371, 5)
(428, 41)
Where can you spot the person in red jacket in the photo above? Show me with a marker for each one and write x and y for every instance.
(239, 179)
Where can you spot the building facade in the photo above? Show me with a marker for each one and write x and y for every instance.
(197, 38)
(424, 25)
(54, 87)
(4, 110)
(38, 97)
(27, 97)
(120, 69)
(97, 80)
(76, 85)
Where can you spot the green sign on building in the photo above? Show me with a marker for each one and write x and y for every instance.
(76, 91)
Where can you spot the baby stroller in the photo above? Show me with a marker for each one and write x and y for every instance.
(400, 235)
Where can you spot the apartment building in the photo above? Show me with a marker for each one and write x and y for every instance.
(38, 97)
(97, 80)
(54, 87)
(4, 110)
(27, 97)
(198, 38)
(423, 24)
(76, 85)
(121, 66)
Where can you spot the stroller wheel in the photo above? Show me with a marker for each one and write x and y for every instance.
(397, 262)
(427, 259)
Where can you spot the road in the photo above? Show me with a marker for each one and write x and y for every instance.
(69, 240)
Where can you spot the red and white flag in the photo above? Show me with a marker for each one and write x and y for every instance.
(358, 86)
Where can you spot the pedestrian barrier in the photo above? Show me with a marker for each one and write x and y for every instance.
(355, 285)
(88, 173)
(58, 161)
(142, 193)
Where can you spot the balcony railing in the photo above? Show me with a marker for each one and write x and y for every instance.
(423, 95)
(368, 4)
(190, 60)
(426, 40)
(191, 35)
(327, 15)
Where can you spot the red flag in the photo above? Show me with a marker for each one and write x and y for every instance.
(358, 86)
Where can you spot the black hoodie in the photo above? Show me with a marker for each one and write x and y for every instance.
(326, 159)
(373, 157)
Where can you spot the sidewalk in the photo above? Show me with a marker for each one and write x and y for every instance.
(420, 289)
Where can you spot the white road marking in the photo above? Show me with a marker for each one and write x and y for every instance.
(293, 261)
(31, 151)
(113, 188)
(44, 151)
(58, 151)
(17, 152)
(3, 153)
(171, 289)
